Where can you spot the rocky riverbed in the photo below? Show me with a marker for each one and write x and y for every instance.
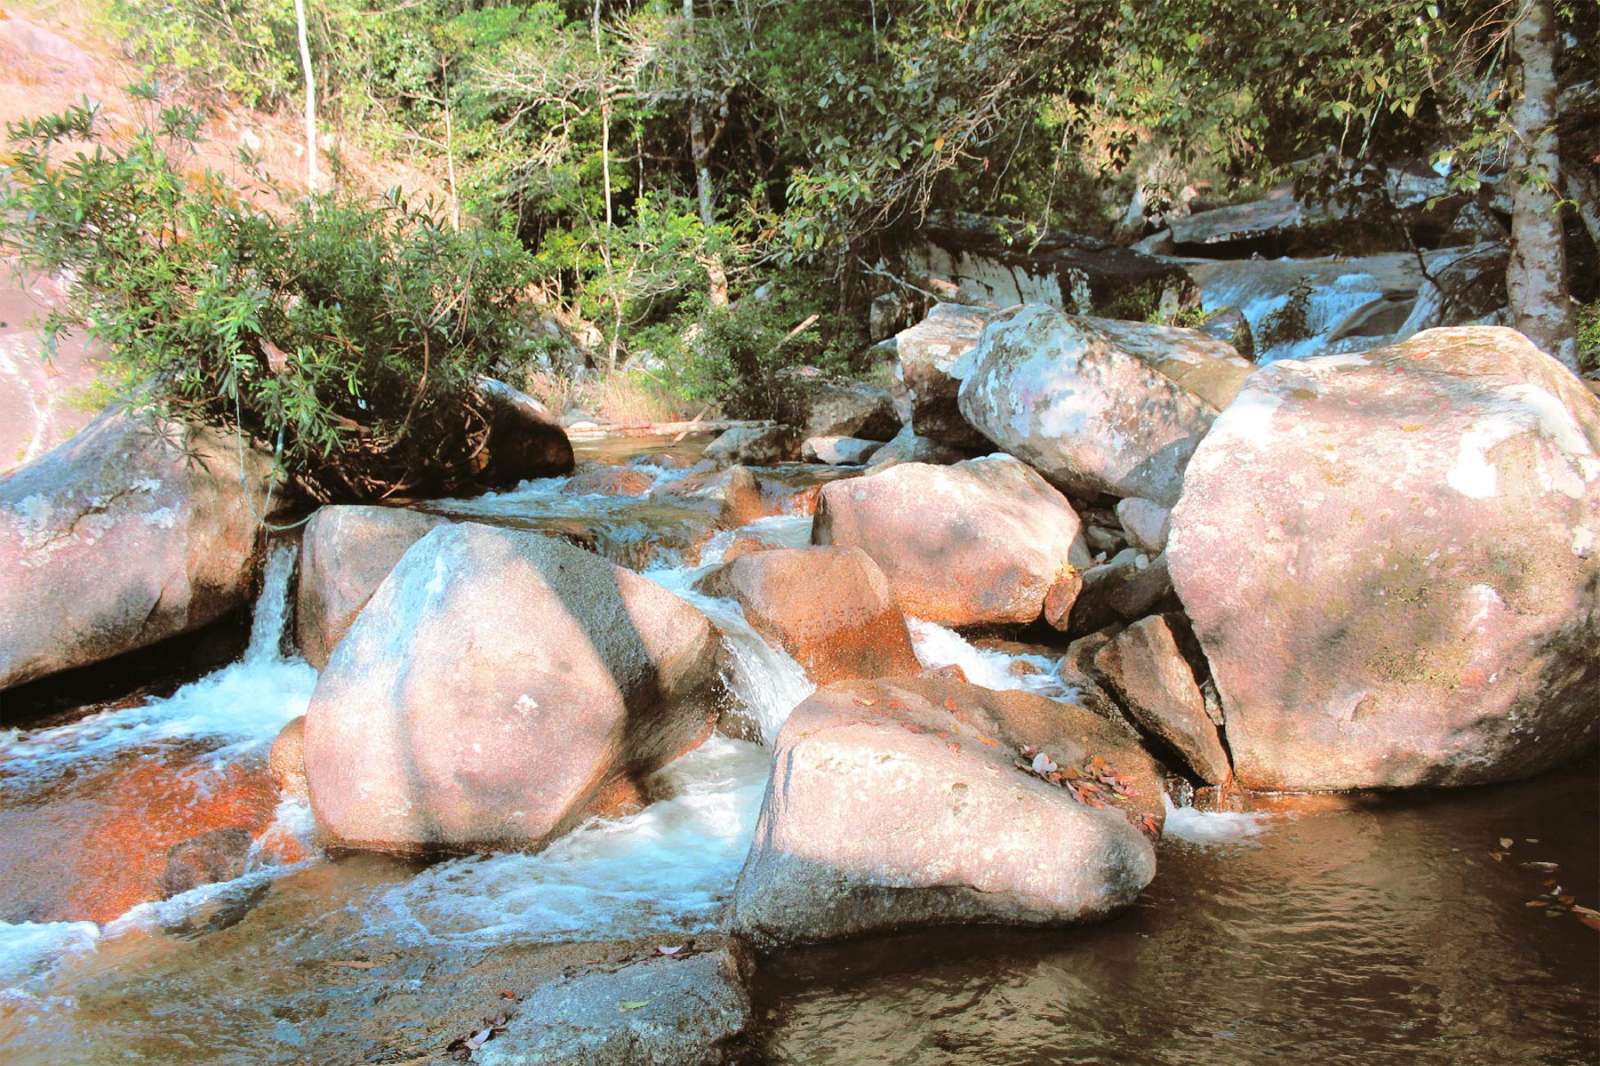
(1092, 714)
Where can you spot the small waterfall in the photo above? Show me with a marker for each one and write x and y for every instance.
(236, 711)
(937, 646)
(272, 607)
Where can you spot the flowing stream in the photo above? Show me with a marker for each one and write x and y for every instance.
(1355, 931)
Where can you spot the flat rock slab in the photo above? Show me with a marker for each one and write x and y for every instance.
(898, 803)
(658, 1012)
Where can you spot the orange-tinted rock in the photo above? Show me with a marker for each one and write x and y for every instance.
(830, 608)
(1150, 676)
(98, 845)
(287, 760)
(976, 543)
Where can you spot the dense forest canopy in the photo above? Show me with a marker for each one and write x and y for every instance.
(656, 162)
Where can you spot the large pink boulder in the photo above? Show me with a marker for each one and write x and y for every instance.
(900, 802)
(499, 687)
(128, 533)
(980, 542)
(1392, 561)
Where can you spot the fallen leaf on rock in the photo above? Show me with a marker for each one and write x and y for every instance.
(1591, 920)
(1552, 866)
(1043, 764)
(1497, 856)
(1566, 901)
(1537, 903)
(1506, 842)
(953, 746)
(506, 993)
(669, 949)
(989, 741)
(480, 1038)
(866, 703)
(632, 1004)
(355, 964)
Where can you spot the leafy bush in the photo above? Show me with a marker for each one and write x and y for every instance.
(346, 336)
(1589, 338)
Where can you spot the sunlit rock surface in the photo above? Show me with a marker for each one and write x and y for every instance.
(128, 533)
(1094, 405)
(1392, 561)
(345, 553)
(500, 686)
(981, 541)
(898, 803)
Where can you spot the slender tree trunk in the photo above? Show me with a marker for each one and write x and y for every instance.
(311, 95)
(700, 153)
(1536, 279)
(450, 149)
(615, 343)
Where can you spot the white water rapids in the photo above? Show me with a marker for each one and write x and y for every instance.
(667, 869)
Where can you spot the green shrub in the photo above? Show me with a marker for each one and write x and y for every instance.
(1589, 338)
(346, 336)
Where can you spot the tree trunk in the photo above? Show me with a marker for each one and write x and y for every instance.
(700, 154)
(311, 95)
(1536, 279)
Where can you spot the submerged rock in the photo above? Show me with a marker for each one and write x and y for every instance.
(1392, 561)
(218, 855)
(1094, 405)
(1144, 667)
(979, 542)
(345, 553)
(928, 353)
(830, 608)
(501, 686)
(899, 803)
(610, 480)
(128, 533)
(667, 1011)
(734, 497)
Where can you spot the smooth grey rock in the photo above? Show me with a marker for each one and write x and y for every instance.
(658, 1012)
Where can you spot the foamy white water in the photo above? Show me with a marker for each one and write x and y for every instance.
(1210, 827)
(238, 709)
(937, 646)
(29, 951)
(667, 869)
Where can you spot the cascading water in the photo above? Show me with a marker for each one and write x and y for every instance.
(220, 720)
(235, 712)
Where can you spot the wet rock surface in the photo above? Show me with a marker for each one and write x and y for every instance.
(664, 1011)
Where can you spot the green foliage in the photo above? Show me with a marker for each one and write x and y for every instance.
(347, 336)
(1589, 338)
